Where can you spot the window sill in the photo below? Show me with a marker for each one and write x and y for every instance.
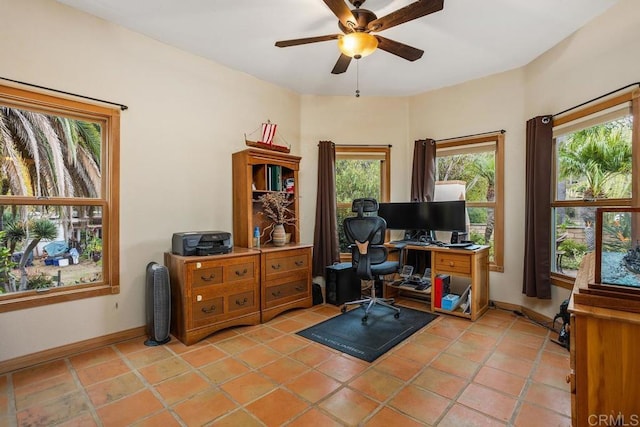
(12, 302)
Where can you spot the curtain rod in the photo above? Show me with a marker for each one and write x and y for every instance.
(595, 99)
(362, 146)
(122, 107)
(475, 134)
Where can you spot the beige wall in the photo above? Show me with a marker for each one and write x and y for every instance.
(598, 59)
(187, 115)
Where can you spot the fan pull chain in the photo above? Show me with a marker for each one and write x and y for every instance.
(357, 78)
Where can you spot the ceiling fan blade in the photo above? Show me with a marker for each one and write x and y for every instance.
(414, 10)
(399, 49)
(340, 9)
(342, 64)
(296, 42)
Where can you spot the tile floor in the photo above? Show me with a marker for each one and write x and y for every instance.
(500, 370)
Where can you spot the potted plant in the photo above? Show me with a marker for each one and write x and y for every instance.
(275, 206)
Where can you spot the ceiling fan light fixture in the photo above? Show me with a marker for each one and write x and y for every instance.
(357, 44)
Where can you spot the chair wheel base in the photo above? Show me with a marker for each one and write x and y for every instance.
(364, 319)
(397, 315)
(343, 309)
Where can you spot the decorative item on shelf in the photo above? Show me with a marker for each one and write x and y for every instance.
(290, 185)
(278, 236)
(275, 206)
(267, 139)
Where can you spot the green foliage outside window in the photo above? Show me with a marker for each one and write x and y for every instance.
(595, 163)
(355, 178)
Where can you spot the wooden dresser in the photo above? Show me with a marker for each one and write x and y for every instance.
(285, 277)
(209, 293)
(605, 348)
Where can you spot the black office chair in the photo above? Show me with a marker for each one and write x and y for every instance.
(366, 235)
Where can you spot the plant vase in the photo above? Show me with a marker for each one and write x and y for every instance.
(278, 236)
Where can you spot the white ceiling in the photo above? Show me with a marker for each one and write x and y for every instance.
(466, 40)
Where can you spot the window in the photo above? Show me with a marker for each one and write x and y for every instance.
(58, 199)
(477, 163)
(360, 172)
(593, 167)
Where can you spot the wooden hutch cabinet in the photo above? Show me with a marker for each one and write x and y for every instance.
(285, 271)
(257, 172)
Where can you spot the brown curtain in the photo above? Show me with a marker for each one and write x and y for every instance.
(423, 175)
(537, 235)
(325, 237)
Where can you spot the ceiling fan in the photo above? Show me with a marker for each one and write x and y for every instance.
(357, 25)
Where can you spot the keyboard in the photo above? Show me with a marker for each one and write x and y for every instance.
(411, 242)
(458, 245)
(418, 243)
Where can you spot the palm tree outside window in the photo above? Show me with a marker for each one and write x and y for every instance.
(593, 168)
(58, 192)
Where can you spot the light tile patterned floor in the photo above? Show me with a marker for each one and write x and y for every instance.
(500, 370)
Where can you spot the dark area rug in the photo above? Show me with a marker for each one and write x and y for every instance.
(367, 341)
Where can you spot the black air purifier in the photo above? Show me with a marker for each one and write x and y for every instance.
(158, 296)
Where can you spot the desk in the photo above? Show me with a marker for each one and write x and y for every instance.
(472, 266)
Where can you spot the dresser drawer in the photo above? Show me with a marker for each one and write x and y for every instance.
(286, 291)
(241, 301)
(223, 271)
(283, 262)
(455, 263)
(208, 308)
(206, 276)
(242, 271)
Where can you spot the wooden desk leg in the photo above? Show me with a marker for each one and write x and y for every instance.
(389, 291)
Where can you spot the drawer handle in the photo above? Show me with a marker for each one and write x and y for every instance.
(210, 309)
(208, 279)
(243, 302)
(276, 294)
(300, 288)
(241, 273)
(299, 263)
(275, 266)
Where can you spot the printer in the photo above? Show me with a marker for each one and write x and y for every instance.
(200, 243)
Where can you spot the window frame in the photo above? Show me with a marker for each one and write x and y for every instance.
(497, 264)
(360, 153)
(109, 118)
(557, 278)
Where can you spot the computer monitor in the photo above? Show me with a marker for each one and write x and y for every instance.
(447, 216)
(405, 216)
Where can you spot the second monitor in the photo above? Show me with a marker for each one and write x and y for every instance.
(425, 216)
